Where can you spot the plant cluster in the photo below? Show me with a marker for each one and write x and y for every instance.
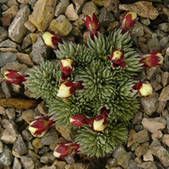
(91, 88)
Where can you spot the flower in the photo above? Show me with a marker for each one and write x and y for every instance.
(144, 88)
(128, 21)
(66, 66)
(66, 89)
(117, 57)
(39, 126)
(92, 24)
(152, 59)
(78, 120)
(51, 40)
(99, 123)
(14, 76)
(64, 149)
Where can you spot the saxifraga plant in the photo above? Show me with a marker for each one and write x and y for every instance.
(94, 95)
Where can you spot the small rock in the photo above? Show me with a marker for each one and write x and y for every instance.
(138, 117)
(90, 8)
(164, 27)
(122, 157)
(11, 12)
(150, 103)
(59, 164)
(77, 166)
(24, 58)
(142, 149)
(43, 13)
(148, 165)
(6, 57)
(47, 158)
(12, 2)
(6, 89)
(3, 34)
(71, 13)
(157, 135)
(2, 111)
(17, 29)
(142, 8)
(140, 137)
(162, 154)
(99, 3)
(61, 25)
(112, 5)
(165, 78)
(37, 144)
(28, 25)
(19, 146)
(6, 157)
(50, 137)
(153, 44)
(27, 41)
(8, 44)
(156, 85)
(78, 4)
(9, 135)
(106, 17)
(165, 139)
(148, 156)
(61, 7)
(164, 95)
(11, 113)
(27, 162)
(26, 135)
(16, 164)
(164, 42)
(65, 132)
(138, 30)
(154, 124)
(145, 21)
(161, 106)
(111, 162)
(1, 147)
(39, 51)
(28, 115)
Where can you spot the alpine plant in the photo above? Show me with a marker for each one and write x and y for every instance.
(92, 88)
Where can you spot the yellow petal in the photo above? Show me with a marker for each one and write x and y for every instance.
(98, 125)
(146, 89)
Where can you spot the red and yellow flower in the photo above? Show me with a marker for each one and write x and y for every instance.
(51, 40)
(117, 57)
(144, 88)
(92, 25)
(39, 126)
(128, 21)
(63, 150)
(79, 120)
(152, 59)
(14, 76)
(66, 66)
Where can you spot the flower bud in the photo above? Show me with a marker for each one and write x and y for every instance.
(144, 88)
(78, 120)
(128, 21)
(51, 40)
(39, 126)
(14, 76)
(92, 24)
(67, 66)
(117, 57)
(66, 89)
(152, 59)
(100, 122)
(62, 150)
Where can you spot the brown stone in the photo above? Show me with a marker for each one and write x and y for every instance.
(30, 26)
(18, 103)
(43, 14)
(142, 8)
(61, 25)
(24, 58)
(71, 13)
